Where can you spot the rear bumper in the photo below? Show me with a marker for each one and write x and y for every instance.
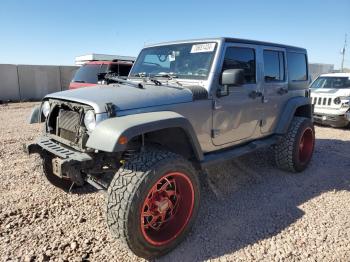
(332, 120)
(66, 163)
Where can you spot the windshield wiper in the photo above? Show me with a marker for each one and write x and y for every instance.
(141, 74)
(167, 75)
(119, 80)
(79, 81)
(153, 78)
(145, 79)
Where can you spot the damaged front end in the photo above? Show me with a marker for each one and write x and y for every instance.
(64, 145)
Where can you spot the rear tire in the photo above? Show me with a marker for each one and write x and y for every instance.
(294, 152)
(152, 202)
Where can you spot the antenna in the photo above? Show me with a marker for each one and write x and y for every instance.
(342, 52)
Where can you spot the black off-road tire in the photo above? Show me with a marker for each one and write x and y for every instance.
(128, 191)
(287, 151)
(51, 178)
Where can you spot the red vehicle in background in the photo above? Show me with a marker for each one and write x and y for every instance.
(87, 74)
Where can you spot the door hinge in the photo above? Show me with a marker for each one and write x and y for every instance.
(215, 133)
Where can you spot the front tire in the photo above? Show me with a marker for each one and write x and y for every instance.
(294, 152)
(152, 202)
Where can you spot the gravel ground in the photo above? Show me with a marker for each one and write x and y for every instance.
(250, 211)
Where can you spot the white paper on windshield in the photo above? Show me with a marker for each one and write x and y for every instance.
(201, 48)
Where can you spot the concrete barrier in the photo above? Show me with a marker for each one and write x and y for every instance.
(37, 81)
(33, 82)
(9, 87)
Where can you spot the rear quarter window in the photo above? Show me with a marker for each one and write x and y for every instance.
(297, 66)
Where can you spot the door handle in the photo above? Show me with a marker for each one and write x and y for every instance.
(254, 94)
(282, 91)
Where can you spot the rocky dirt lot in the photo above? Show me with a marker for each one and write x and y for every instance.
(249, 212)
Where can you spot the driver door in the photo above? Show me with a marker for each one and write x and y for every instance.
(236, 116)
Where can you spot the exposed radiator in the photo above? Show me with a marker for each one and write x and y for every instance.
(68, 124)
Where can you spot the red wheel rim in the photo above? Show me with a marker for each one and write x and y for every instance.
(167, 208)
(306, 145)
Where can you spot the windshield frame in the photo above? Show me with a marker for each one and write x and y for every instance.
(179, 76)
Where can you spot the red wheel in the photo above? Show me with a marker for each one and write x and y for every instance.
(306, 145)
(153, 201)
(167, 208)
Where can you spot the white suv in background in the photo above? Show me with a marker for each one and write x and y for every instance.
(330, 95)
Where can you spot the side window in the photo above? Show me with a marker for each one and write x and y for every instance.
(241, 58)
(297, 66)
(273, 66)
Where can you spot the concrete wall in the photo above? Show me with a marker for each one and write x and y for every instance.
(33, 82)
(9, 88)
(37, 81)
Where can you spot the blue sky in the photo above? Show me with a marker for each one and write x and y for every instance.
(54, 32)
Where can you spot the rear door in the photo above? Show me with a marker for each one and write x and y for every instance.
(236, 116)
(275, 86)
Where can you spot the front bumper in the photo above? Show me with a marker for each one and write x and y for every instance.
(332, 120)
(66, 163)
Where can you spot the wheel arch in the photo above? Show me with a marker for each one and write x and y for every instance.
(297, 106)
(167, 128)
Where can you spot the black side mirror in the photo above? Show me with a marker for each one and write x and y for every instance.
(230, 77)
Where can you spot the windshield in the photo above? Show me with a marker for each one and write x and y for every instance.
(190, 61)
(331, 82)
(88, 73)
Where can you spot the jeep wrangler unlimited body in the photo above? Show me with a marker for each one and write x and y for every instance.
(330, 97)
(185, 105)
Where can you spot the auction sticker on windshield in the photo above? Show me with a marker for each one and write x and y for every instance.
(200, 48)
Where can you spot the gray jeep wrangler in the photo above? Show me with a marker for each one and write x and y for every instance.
(185, 105)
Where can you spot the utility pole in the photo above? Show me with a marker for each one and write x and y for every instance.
(342, 52)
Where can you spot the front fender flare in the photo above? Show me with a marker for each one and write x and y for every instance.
(35, 115)
(107, 133)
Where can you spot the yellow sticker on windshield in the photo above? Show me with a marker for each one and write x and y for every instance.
(200, 48)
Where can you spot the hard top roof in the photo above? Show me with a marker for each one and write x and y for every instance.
(232, 40)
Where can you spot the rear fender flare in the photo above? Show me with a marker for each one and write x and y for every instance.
(290, 110)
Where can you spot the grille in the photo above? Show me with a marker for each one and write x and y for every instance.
(68, 124)
(322, 101)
